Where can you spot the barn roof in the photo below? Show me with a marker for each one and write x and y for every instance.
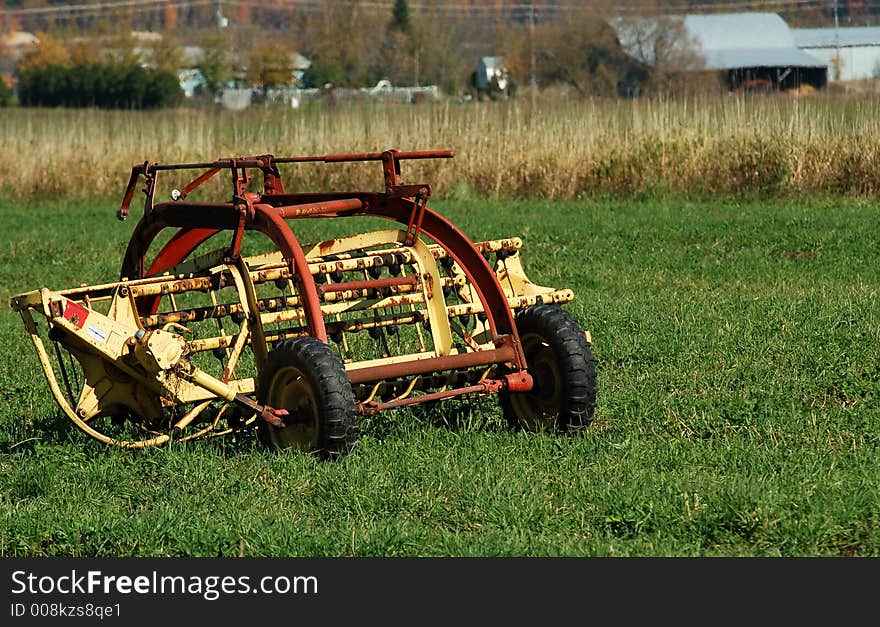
(828, 37)
(740, 31)
(728, 41)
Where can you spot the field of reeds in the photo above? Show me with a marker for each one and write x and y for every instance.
(735, 146)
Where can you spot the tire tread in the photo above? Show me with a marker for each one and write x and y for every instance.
(574, 353)
(337, 429)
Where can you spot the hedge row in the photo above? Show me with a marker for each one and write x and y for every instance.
(106, 86)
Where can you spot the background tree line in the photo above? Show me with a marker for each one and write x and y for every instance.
(350, 43)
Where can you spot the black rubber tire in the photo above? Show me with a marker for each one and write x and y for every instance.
(561, 361)
(304, 376)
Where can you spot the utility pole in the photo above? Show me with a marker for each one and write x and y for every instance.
(416, 66)
(222, 21)
(533, 81)
(836, 43)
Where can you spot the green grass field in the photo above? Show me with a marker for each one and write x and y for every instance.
(738, 346)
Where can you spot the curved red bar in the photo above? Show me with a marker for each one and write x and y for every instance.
(216, 218)
(199, 222)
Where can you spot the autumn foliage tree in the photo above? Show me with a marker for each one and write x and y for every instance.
(269, 65)
(49, 51)
(583, 53)
(215, 64)
(341, 41)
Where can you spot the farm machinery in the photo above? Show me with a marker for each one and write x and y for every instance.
(222, 321)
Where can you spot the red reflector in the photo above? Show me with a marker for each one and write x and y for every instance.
(76, 314)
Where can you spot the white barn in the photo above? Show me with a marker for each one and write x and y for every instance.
(746, 47)
(852, 52)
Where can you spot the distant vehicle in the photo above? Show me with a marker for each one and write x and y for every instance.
(491, 80)
(384, 86)
(191, 81)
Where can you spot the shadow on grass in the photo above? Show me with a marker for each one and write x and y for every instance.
(25, 436)
(27, 433)
(458, 415)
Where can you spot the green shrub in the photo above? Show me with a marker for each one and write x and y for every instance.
(106, 86)
(5, 94)
(163, 90)
(321, 73)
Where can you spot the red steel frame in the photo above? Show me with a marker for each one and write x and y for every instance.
(268, 212)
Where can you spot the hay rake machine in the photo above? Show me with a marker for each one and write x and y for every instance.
(203, 338)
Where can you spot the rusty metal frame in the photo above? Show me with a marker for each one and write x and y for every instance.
(268, 212)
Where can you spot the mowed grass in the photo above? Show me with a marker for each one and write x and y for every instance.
(738, 350)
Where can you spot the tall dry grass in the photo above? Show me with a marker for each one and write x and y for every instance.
(722, 146)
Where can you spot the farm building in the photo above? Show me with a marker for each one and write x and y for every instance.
(852, 53)
(17, 44)
(747, 48)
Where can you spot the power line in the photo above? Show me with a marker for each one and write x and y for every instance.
(131, 7)
(425, 8)
(730, 5)
(72, 8)
(528, 12)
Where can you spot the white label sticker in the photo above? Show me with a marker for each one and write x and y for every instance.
(97, 334)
